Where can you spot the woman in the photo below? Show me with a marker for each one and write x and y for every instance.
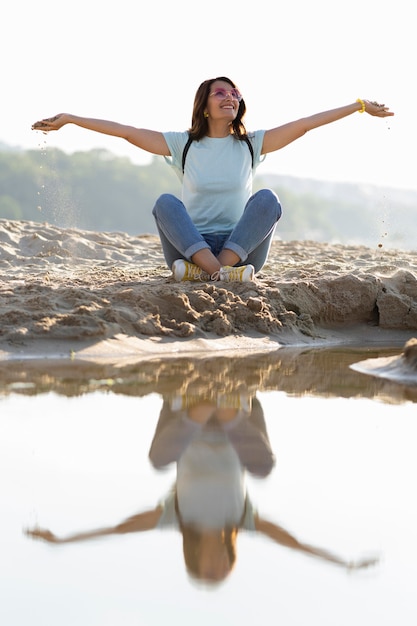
(218, 230)
(214, 440)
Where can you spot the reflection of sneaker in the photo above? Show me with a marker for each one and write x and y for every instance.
(184, 270)
(242, 274)
(235, 401)
(182, 402)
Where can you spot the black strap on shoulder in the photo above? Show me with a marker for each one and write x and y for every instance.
(248, 141)
(190, 140)
(184, 152)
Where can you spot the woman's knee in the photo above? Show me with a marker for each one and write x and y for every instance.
(268, 200)
(165, 202)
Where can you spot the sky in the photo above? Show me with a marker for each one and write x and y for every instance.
(141, 63)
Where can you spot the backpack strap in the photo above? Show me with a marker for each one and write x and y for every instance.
(246, 138)
(184, 152)
(190, 140)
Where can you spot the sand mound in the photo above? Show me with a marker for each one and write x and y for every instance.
(401, 368)
(70, 284)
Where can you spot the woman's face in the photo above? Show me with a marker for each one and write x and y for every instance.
(223, 101)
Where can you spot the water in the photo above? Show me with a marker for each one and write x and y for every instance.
(74, 458)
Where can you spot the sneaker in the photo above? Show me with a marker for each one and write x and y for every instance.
(242, 273)
(184, 270)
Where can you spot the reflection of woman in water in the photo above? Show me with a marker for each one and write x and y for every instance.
(213, 443)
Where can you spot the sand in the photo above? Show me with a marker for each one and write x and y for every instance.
(66, 292)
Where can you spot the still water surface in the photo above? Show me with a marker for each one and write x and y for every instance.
(155, 474)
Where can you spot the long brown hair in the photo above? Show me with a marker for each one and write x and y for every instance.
(191, 542)
(199, 125)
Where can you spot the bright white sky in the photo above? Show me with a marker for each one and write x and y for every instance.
(141, 63)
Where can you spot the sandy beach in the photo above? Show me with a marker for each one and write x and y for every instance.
(96, 294)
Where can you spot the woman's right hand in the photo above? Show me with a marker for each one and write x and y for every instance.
(51, 123)
(42, 533)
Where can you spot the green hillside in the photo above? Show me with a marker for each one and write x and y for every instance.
(96, 190)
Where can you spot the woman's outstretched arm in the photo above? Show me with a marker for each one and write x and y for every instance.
(137, 523)
(284, 538)
(149, 140)
(281, 136)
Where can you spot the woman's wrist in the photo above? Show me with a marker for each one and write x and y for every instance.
(362, 107)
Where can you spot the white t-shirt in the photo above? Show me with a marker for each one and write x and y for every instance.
(210, 483)
(210, 487)
(218, 176)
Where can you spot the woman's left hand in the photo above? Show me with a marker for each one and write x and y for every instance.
(376, 109)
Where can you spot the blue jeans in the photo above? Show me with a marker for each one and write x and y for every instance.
(250, 239)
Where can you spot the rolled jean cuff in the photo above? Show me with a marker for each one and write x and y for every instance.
(234, 247)
(196, 247)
